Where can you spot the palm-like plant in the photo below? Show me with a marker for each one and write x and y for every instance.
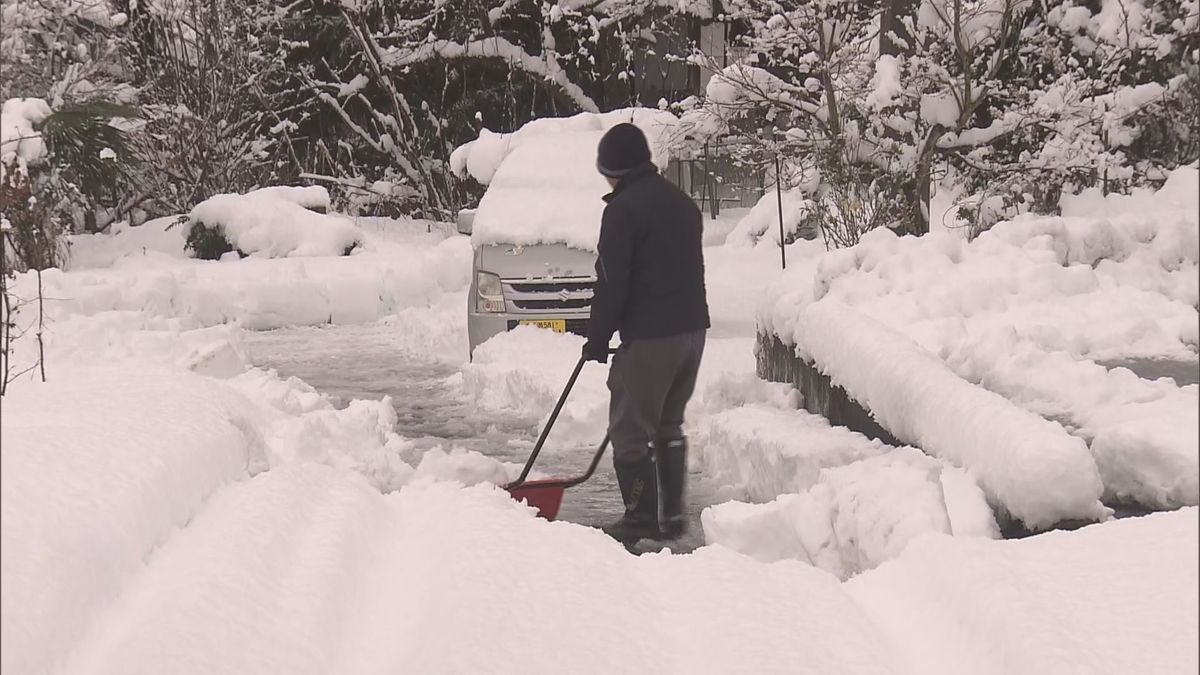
(89, 151)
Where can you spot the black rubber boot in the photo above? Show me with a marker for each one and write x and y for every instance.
(672, 480)
(639, 489)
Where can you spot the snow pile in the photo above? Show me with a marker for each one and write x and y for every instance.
(1029, 467)
(543, 186)
(857, 516)
(20, 142)
(99, 470)
(277, 222)
(1103, 599)
(764, 451)
(522, 373)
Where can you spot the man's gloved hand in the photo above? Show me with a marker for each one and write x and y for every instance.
(594, 351)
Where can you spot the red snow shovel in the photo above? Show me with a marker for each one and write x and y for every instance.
(546, 494)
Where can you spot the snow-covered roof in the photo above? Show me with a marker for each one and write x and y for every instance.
(543, 186)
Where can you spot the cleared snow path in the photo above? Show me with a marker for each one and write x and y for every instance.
(368, 362)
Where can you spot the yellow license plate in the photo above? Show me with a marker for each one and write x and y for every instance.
(556, 325)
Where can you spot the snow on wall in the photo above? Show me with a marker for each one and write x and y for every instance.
(1028, 466)
(276, 223)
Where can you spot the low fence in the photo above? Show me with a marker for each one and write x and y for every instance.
(777, 362)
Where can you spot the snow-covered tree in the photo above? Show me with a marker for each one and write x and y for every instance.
(1012, 100)
(381, 92)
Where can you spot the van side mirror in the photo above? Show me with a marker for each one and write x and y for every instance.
(466, 221)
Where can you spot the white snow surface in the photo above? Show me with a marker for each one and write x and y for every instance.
(167, 508)
(277, 222)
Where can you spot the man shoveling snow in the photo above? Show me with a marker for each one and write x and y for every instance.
(650, 287)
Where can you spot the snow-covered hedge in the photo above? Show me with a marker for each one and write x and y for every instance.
(1028, 466)
(1031, 310)
(274, 222)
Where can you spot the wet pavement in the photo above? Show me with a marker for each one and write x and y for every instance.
(1183, 372)
(362, 362)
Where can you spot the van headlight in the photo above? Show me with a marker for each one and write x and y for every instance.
(489, 293)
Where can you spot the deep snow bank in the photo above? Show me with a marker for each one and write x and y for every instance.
(97, 471)
(305, 570)
(103, 465)
(1120, 597)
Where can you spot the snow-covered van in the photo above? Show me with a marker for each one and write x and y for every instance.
(535, 230)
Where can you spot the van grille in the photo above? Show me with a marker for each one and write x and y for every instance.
(552, 287)
(532, 296)
(581, 303)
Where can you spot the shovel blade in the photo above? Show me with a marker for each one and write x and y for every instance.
(543, 495)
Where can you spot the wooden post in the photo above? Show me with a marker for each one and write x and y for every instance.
(779, 204)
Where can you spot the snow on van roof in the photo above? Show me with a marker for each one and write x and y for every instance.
(543, 186)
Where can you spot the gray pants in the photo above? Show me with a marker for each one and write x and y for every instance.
(651, 382)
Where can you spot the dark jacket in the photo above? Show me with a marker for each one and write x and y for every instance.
(650, 268)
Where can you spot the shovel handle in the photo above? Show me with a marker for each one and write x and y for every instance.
(562, 399)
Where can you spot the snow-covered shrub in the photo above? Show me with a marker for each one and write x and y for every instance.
(275, 222)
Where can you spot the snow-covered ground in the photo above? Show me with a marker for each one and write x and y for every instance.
(167, 507)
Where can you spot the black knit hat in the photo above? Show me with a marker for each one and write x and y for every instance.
(622, 149)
